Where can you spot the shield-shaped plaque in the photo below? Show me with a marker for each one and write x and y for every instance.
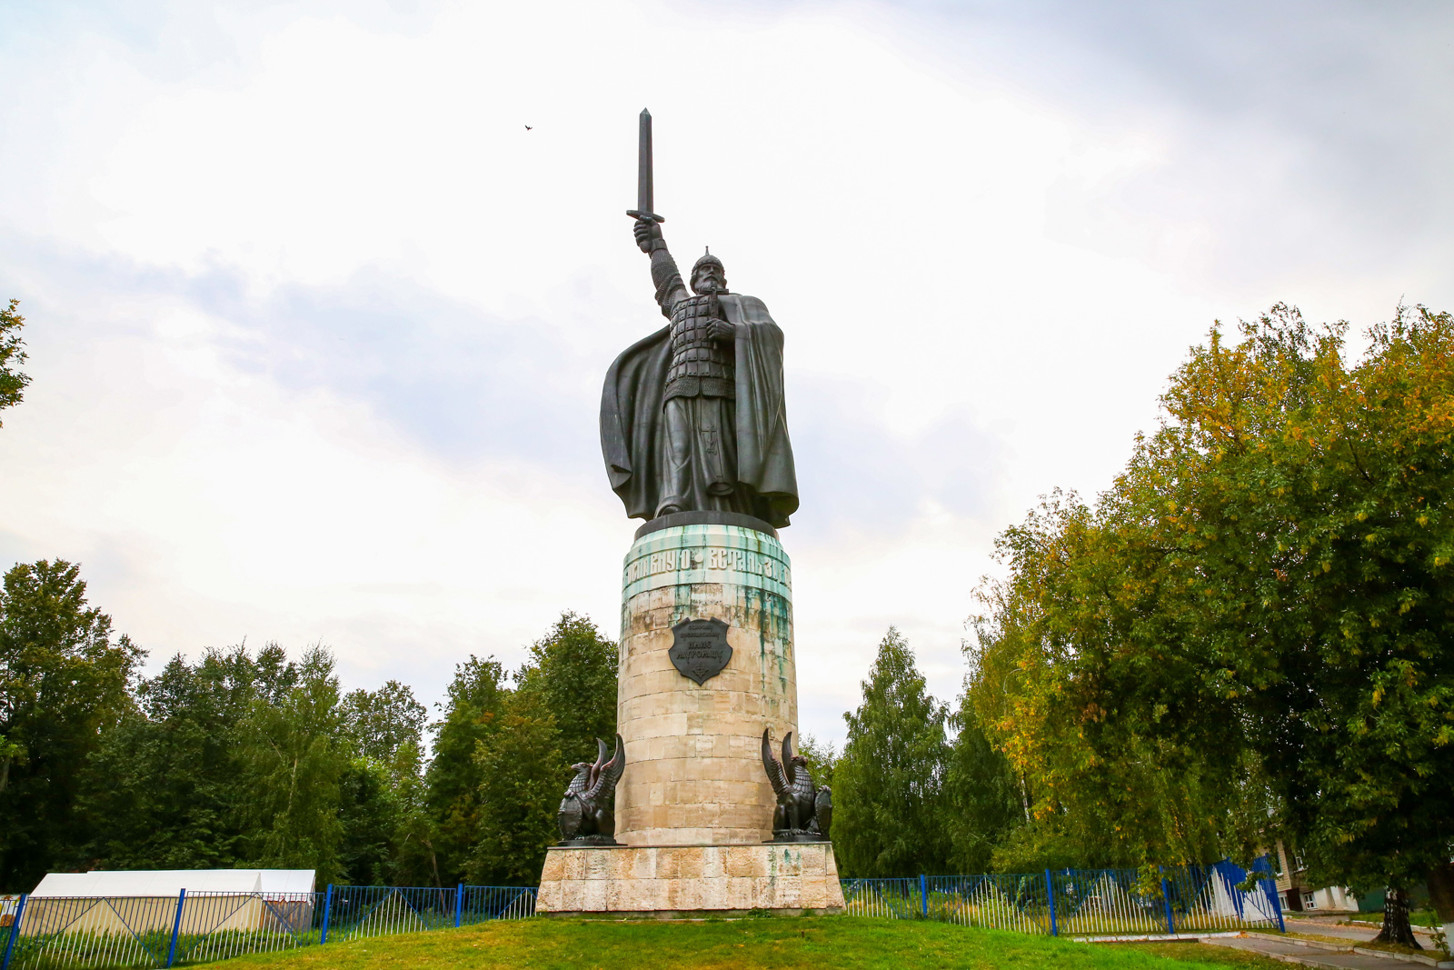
(699, 649)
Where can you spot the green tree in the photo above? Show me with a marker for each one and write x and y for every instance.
(522, 776)
(1079, 678)
(12, 355)
(982, 798)
(161, 790)
(63, 687)
(476, 698)
(379, 789)
(293, 760)
(370, 816)
(573, 670)
(568, 684)
(381, 723)
(1259, 609)
(236, 760)
(412, 862)
(887, 818)
(1311, 501)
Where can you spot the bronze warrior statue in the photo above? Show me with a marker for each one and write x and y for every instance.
(692, 417)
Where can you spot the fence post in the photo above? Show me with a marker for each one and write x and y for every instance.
(1166, 900)
(458, 904)
(14, 931)
(1050, 897)
(327, 907)
(176, 927)
(1271, 889)
(924, 895)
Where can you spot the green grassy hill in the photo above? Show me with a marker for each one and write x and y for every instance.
(809, 943)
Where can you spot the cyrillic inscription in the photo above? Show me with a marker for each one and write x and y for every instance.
(673, 560)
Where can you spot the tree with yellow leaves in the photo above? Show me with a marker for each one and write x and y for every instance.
(1265, 597)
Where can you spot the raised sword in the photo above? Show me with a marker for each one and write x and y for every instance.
(643, 173)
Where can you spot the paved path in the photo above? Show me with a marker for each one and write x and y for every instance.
(1310, 955)
(1331, 926)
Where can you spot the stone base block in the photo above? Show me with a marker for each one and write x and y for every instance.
(677, 879)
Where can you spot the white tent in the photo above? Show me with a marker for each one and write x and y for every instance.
(170, 882)
(147, 900)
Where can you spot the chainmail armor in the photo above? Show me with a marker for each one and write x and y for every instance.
(700, 364)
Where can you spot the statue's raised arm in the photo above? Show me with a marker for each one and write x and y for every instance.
(670, 289)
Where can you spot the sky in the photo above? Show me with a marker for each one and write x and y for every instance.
(317, 327)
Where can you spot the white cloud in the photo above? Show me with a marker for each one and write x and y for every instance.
(227, 506)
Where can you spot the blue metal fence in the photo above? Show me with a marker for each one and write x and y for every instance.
(101, 933)
(481, 903)
(1082, 902)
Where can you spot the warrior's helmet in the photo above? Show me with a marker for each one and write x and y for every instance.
(709, 261)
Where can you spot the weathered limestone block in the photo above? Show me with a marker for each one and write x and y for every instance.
(694, 771)
(801, 876)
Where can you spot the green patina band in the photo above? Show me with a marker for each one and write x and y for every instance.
(689, 554)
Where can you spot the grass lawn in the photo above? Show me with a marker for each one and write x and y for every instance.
(809, 943)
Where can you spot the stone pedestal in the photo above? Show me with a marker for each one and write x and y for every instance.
(694, 808)
(668, 880)
(694, 771)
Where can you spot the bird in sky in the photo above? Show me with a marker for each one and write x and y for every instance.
(528, 127)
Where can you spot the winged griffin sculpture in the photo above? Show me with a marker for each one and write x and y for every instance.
(804, 811)
(586, 814)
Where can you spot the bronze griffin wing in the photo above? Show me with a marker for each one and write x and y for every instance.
(606, 774)
(778, 776)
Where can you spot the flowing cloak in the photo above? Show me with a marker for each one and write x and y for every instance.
(632, 423)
